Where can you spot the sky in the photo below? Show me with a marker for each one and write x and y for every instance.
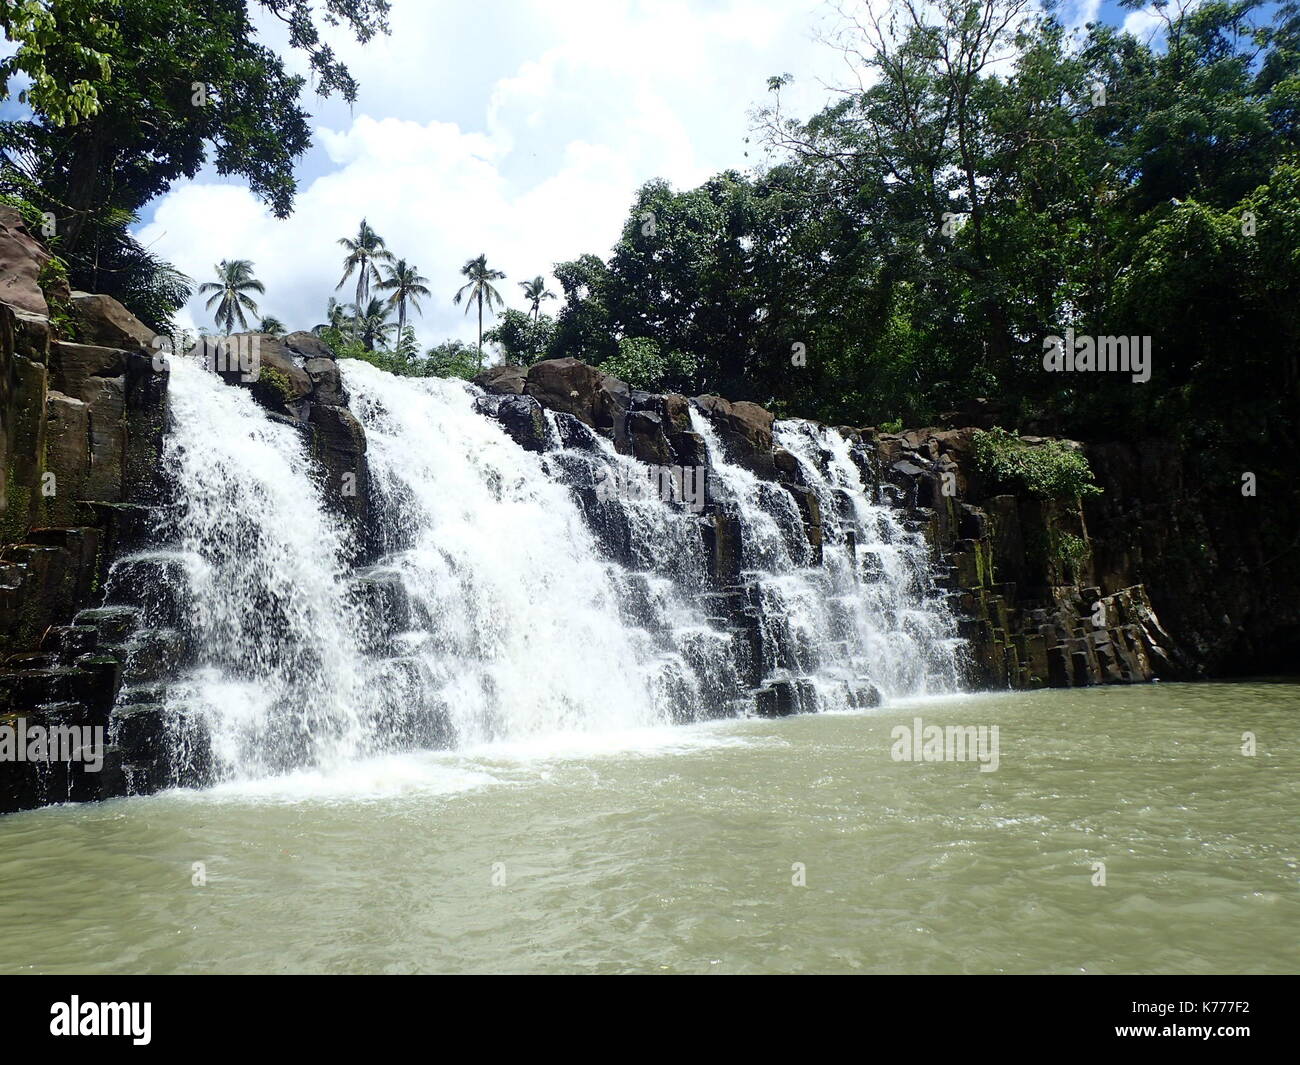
(519, 129)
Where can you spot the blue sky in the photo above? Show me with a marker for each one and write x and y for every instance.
(523, 135)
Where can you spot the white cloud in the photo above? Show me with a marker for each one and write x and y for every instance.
(569, 108)
(523, 137)
(1149, 23)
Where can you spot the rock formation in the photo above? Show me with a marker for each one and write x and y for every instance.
(83, 419)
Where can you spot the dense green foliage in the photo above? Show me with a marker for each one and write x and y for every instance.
(1049, 469)
(643, 364)
(916, 241)
(130, 95)
(993, 183)
(521, 338)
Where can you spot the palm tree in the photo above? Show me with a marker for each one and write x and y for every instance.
(336, 317)
(477, 290)
(230, 292)
(364, 251)
(372, 324)
(407, 286)
(270, 324)
(534, 292)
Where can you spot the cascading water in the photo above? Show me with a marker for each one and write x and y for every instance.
(515, 594)
(516, 619)
(864, 615)
(252, 577)
(881, 576)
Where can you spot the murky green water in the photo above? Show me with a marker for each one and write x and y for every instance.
(676, 850)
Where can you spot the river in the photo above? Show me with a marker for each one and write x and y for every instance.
(739, 846)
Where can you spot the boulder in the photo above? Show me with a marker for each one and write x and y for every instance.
(503, 380)
(308, 346)
(279, 384)
(102, 320)
(326, 382)
(677, 413)
(574, 435)
(689, 449)
(745, 430)
(572, 387)
(21, 260)
(788, 468)
(524, 422)
(640, 433)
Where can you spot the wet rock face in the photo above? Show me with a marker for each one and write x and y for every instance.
(745, 430)
(278, 383)
(1032, 616)
(524, 421)
(21, 260)
(326, 382)
(338, 444)
(93, 414)
(81, 428)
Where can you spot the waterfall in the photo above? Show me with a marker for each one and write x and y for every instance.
(863, 620)
(251, 574)
(513, 594)
(879, 572)
(516, 619)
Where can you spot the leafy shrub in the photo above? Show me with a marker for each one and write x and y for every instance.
(521, 339)
(1072, 550)
(53, 283)
(643, 364)
(1050, 470)
(451, 358)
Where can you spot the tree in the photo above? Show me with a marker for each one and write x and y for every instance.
(46, 50)
(534, 292)
(584, 328)
(407, 286)
(407, 348)
(336, 317)
(521, 339)
(271, 324)
(642, 365)
(451, 358)
(478, 290)
(230, 293)
(372, 325)
(129, 95)
(364, 252)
